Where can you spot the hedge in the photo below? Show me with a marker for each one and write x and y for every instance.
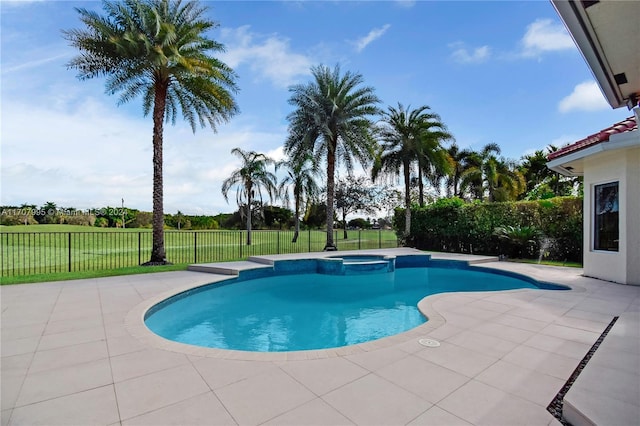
(452, 225)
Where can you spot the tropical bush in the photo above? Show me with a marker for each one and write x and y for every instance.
(520, 228)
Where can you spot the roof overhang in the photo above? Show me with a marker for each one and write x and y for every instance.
(572, 164)
(606, 32)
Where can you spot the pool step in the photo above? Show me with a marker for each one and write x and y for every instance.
(228, 268)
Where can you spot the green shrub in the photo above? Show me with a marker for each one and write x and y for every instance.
(451, 225)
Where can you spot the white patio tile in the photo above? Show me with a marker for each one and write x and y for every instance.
(437, 416)
(324, 375)
(545, 362)
(423, 378)
(520, 322)
(19, 346)
(70, 338)
(222, 372)
(444, 332)
(9, 390)
(376, 359)
(559, 346)
(68, 356)
(62, 326)
(489, 305)
(474, 312)
(22, 332)
(523, 382)
(204, 409)
(512, 334)
(64, 381)
(4, 417)
(260, 398)
(457, 358)
(313, 413)
(372, 400)
(571, 333)
(16, 365)
(140, 363)
(124, 344)
(481, 404)
(484, 343)
(157, 390)
(91, 407)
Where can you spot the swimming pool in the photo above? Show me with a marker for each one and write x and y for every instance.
(304, 311)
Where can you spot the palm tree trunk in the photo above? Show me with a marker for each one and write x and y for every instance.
(297, 221)
(420, 187)
(249, 216)
(344, 222)
(158, 254)
(331, 166)
(407, 201)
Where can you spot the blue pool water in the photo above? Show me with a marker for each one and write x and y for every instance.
(311, 311)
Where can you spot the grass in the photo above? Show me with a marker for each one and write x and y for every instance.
(60, 250)
(548, 262)
(64, 276)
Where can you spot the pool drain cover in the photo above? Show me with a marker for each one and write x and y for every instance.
(430, 343)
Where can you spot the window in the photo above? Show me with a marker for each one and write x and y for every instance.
(606, 235)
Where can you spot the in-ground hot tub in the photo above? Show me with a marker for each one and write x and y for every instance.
(356, 264)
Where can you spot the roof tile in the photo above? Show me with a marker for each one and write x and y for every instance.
(625, 125)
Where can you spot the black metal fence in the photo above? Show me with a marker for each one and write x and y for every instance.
(29, 253)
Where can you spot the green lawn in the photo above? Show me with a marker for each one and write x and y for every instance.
(58, 249)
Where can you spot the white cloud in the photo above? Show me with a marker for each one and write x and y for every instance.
(33, 64)
(94, 155)
(270, 57)
(543, 35)
(276, 154)
(462, 55)
(585, 97)
(374, 34)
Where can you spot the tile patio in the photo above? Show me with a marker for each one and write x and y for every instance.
(76, 352)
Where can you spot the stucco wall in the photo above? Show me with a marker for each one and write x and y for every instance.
(633, 216)
(623, 166)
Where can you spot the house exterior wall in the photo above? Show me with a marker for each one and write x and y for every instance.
(622, 166)
(633, 216)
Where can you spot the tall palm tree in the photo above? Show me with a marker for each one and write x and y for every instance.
(300, 177)
(331, 121)
(249, 180)
(433, 159)
(498, 179)
(408, 141)
(159, 50)
(459, 164)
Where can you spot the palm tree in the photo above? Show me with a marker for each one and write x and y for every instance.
(407, 139)
(494, 177)
(157, 49)
(433, 159)
(459, 164)
(301, 177)
(331, 121)
(249, 180)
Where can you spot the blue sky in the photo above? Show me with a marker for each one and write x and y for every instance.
(504, 72)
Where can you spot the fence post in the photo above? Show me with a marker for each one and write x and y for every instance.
(240, 233)
(69, 239)
(309, 240)
(278, 244)
(195, 247)
(139, 248)
(359, 238)
(380, 238)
